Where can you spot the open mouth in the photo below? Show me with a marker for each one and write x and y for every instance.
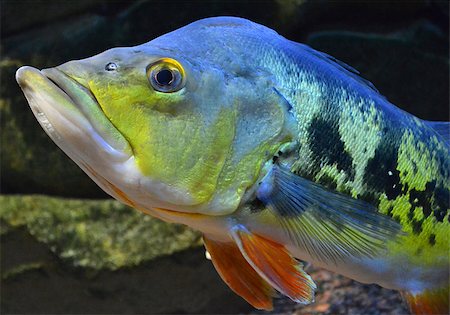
(69, 113)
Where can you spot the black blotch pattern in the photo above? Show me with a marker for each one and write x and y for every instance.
(411, 213)
(439, 214)
(381, 172)
(257, 206)
(328, 182)
(393, 188)
(346, 191)
(417, 226)
(432, 239)
(389, 211)
(422, 199)
(441, 197)
(369, 197)
(326, 144)
(425, 199)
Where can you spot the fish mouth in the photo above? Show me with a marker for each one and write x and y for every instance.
(70, 114)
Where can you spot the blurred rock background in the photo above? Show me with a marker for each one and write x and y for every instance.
(67, 248)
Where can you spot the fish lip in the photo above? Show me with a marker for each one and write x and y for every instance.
(60, 79)
(60, 85)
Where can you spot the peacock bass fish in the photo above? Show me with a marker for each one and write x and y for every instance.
(273, 150)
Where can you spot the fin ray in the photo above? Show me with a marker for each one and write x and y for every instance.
(342, 66)
(329, 225)
(237, 273)
(428, 302)
(442, 128)
(275, 264)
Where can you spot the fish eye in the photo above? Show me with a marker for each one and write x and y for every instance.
(166, 75)
(111, 66)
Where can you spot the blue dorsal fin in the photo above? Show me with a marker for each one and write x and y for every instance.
(442, 128)
(345, 68)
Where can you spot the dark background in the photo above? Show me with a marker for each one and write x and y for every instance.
(402, 47)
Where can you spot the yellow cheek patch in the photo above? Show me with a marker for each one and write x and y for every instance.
(170, 144)
(182, 152)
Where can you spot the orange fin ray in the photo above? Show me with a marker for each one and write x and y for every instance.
(429, 301)
(274, 263)
(237, 273)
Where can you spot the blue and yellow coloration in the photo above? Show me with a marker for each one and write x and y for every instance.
(273, 150)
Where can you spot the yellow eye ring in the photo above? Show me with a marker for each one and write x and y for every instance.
(166, 75)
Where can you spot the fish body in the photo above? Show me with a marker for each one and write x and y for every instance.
(273, 150)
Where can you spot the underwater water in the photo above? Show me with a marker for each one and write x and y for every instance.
(67, 248)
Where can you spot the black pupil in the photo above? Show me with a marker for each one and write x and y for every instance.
(164, 77)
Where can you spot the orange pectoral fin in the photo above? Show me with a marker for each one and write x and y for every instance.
(275, 264)
(239, 275)
(429, 301)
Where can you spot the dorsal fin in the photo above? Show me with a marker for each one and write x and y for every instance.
(442, 128)
(342, 66)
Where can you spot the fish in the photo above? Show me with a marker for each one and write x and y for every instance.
(277, 153)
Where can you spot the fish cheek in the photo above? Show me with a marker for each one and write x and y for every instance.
(184, 152)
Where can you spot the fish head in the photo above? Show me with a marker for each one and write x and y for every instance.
(162, 126)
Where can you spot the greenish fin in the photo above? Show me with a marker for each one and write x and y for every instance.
(442, 128)
(429, 301)
(330, 226)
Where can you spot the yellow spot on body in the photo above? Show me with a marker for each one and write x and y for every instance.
(417, 247)
(417, 164)
(352, 124)
(338, 175)
(418, 213)
(310, 92)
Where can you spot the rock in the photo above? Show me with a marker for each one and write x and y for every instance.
(183, 283)
(95, 234)
(64, 256)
